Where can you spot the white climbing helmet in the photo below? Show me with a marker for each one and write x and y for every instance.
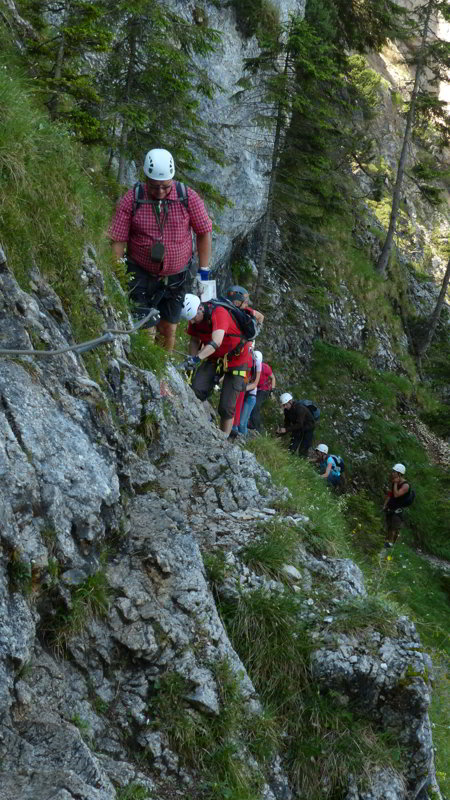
(322, 448)
(190, 306)
(399, 468)
(159, 165)
(285, 397)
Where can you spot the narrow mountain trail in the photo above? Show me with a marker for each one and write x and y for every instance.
(438, 449)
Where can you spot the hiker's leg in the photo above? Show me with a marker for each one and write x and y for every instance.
(296, 441)
(231, 386)
(238, 410)
(247, 408)
(170, 307)
(396, 525)
(151, 333)
(166, 334)
(389, 526)
(255, 416)
(144, 290)
(306, 443)
(203, 380)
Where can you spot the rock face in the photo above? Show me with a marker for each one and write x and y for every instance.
(229, 118)
(89, 504)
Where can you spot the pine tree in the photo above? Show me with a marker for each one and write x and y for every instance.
(310, 88)
(432, 56)
(71, 33)
(422, 348)
(153, 83)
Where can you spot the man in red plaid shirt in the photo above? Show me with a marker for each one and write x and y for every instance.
(154, 225)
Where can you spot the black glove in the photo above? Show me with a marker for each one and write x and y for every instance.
(189, 363)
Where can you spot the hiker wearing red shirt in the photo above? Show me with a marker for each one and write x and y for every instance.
(154, 223)
(266, 384)
(216, 346)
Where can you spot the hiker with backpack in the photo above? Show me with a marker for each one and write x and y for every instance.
(266, 385)
(250, 390)
(399, 496)
(299, 422)
(239, 296)
(153, 225)
(330, 467)
(220, 334)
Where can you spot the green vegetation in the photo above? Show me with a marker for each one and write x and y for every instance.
(321, 736)
(216, 566)
(57, 196)
(42, 168)
(260, 18)
(398, 581)
(147, 354)
(89, 599)
(19, 573)
(119, 100)
(325, 532)
(275, 547)
(218, 747)
(83, 726)
(373, 613)
(134, 791)
(341, 373)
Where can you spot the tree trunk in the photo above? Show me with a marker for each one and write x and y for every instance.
(383, 260)
(434, 319)
(270, 193)
(128, 88)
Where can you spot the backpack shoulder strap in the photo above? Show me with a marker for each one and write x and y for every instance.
(138, 197)
(182, 193)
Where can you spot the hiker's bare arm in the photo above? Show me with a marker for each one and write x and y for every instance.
(273, 381)
(253, 384)
(208, 349)
(118, 249)
(399, 492)
(204, 249)
(258, 316)
(327, 472)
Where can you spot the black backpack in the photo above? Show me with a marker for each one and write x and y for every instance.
(315, 410)
(245, 321)
(339, 461)
(139, 197)
(406, 499)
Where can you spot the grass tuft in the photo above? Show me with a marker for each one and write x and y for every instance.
(275, 547)
(146, 354)
(89, 599)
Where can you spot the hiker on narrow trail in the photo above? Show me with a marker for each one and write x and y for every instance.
(399, 495)
(298, 422)
(219, 348)
(330, 467)
(152, 228)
